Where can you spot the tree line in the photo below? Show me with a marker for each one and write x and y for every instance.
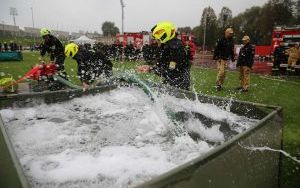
(257, 22)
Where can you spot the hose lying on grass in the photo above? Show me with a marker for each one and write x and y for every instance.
(66, 82)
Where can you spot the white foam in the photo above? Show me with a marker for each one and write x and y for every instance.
(212, 134)
(122, 163)
(7, 115)
(115, 139)
(238, 123)
(30, 113)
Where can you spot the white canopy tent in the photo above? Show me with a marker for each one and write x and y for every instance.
(84, 40)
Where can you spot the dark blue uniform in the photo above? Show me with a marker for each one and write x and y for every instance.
(246, 56)
(91, 65)
(173, 64)
(55, 49)
(279, 57)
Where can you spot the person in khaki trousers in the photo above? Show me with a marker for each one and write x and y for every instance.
(293, 53)
(245, 62)
(223, 52)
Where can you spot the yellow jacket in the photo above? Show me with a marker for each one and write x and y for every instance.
(293, 52)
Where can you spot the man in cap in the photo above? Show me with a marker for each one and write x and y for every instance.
(224, 51)
(245, 62)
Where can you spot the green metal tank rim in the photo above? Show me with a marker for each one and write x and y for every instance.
(199, 160)
(214, 152)
(17, 165)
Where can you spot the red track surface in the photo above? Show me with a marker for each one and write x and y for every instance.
(261, 67)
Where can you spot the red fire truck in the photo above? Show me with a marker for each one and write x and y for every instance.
(137, 39)
(289, 35)
(142, 38)
(188, 39)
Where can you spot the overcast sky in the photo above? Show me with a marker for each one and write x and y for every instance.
(88, 15)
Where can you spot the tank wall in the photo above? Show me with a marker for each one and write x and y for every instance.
(10, 173)
(228, 165)
(233, 165)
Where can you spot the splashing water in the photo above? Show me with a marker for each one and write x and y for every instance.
(265, 148)
(116, 139)
(165, 113)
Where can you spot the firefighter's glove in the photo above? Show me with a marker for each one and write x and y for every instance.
(85, 86)
(172, 65)
(143, 69)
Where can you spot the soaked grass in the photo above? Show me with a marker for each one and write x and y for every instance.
(263, 90)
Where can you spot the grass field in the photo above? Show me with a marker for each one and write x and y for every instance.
(24, 41)
(281, 92)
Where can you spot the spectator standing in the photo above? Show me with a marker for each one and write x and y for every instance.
(245, 62)
(224, 51)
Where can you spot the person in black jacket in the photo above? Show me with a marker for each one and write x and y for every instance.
(5, 46)
(172, 63)
(119, 51)
(245, 62)
(129, 52)
(154, 51)
(55, 49)
(280, 57)
(223, 52)
(11, 46)
(146, 52)
(91, 64)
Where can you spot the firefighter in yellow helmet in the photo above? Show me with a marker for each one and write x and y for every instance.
(172, 63)
(54, 48)
(91, 64)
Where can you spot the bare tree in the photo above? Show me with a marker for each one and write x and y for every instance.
(225, 17)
